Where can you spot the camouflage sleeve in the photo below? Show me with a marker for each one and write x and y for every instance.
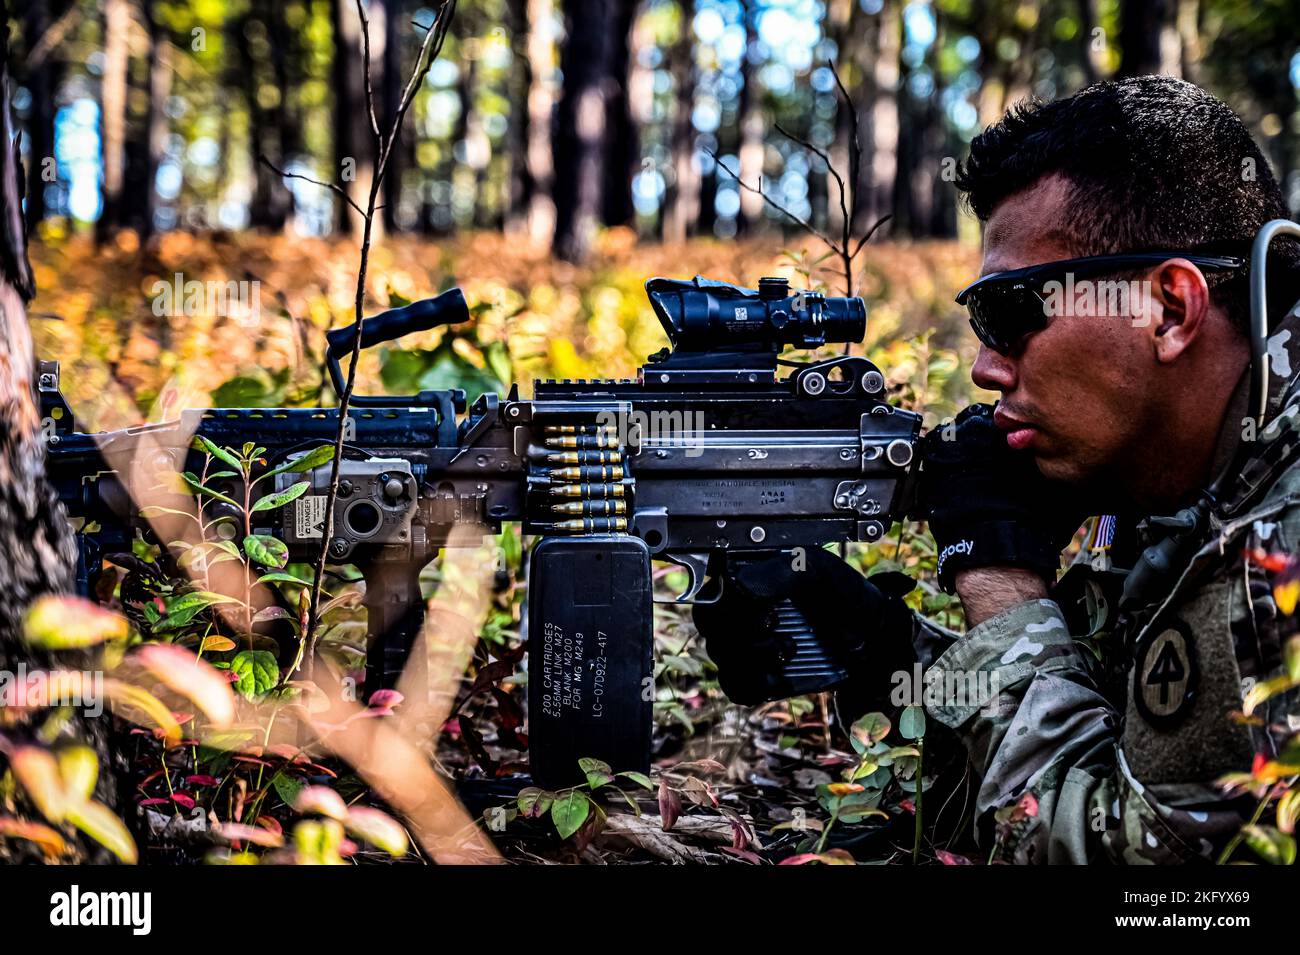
(1055, 785)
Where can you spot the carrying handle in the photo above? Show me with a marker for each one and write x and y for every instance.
(449, 308)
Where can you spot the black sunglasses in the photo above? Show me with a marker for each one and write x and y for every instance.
(1006, 306)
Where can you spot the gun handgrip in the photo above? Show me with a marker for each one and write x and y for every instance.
(449, 308)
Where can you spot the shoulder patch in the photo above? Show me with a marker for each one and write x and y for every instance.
(1165, 675)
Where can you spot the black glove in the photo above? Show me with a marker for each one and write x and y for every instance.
(989, 505)
(863, 626)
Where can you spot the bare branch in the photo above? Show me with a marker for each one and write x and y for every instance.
(430, 47)
(835, 174)
(434, 38)
(365, 52)
(870, 232)
(769, 200)
(315, 182)
(855, 155)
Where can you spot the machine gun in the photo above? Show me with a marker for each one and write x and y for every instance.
(707, 459)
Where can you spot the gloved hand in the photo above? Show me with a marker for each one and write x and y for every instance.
(989, 505)
(863, 626)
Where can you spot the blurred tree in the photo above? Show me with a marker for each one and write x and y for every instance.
(750, 118)
(392, 16)
(593, 48)
(354, 159)
(682, 198)
(34, 533)
(1148, 41)
(113, 104)
(43, 74)
(622, 144)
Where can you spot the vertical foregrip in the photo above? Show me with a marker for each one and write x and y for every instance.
(395, 614)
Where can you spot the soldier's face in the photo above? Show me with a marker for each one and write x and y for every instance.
(1072, 393)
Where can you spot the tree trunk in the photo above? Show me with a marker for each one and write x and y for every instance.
(590, 50)
(750, 113)
(519, 182)
(1145, 26)
(541, 117)
(43, 79)
(160, 89)
(1187, 24)
(37, 547)
(883, 133)
(389, 91)
(117, 26)
(622, 144)
(1089, 49)
(682, 198)
(354, 157)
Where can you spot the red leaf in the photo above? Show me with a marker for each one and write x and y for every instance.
(670, 805)
(951, 858)
(385, 698)
(183, 800)
(1029, 804)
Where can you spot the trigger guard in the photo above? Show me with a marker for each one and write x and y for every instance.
(701, 589)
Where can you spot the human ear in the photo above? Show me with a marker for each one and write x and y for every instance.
(1179, 288)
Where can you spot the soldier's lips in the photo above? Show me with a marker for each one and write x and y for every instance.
(1020, 434)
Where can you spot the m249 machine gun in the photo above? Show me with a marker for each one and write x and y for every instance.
(707, 459)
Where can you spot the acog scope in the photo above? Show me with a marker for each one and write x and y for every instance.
(703, 315)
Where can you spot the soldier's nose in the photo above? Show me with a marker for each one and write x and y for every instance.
(992, 371)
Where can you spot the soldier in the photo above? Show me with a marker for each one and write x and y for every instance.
(1124, 369)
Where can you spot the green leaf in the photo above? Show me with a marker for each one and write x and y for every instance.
(99, 822)
(534, 802)
(272, 501)
(1276, 848)
(183, 608)
(79, 767)
(871, 728)
(911, 724)
(266, 550)
(279, 577)
(641, 779)
(287, 788)
(569, 812)
(257, 673)
(194, 484)
(221, 454)
(598, 772)
(309, 461)
(866, 766)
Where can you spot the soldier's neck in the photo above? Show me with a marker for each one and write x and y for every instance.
(1198, 436)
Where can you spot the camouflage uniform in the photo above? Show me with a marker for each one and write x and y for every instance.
(1110, 730)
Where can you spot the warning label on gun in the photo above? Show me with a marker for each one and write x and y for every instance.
(309, 515)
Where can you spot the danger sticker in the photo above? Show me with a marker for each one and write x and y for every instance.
(309, 516)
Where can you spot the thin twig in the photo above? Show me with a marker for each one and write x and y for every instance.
(835, 174)
(870, 232)
(335, 187)
(365, 53)
(855, 150)
(758, 190)
(430, 47)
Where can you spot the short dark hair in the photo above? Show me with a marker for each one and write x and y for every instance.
(1152, 162)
